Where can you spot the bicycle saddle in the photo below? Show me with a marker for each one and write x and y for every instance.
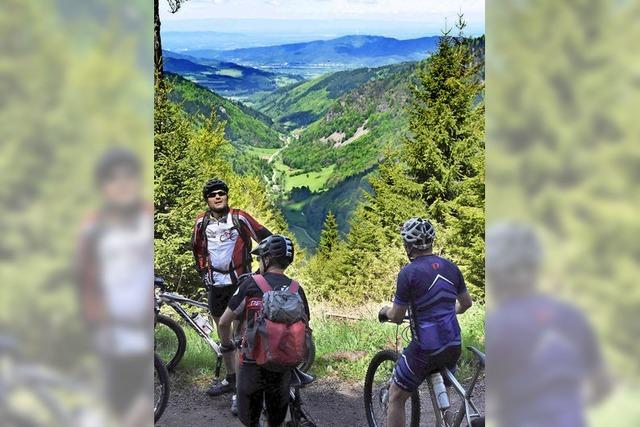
(479, 355)
(300, 379)
(159, 282)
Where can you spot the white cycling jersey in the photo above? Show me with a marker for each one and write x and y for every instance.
(221, 240)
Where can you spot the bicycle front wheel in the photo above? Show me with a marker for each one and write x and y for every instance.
(170, 341)
(377, 383)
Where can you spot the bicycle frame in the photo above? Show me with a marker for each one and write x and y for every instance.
(465, 396)
(174, 301)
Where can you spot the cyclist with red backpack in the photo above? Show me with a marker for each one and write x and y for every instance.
(275, 315)
(221, 244)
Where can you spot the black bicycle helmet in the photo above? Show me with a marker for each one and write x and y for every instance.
(277, 248)
(212, 185)
(418, 233)
(116, 158)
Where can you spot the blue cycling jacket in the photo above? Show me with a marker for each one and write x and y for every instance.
(429, 287)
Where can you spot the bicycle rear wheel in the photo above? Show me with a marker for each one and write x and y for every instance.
(376, 391)
(160, 387)
(170, 341)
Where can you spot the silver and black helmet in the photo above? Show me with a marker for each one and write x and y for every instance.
(418, 233)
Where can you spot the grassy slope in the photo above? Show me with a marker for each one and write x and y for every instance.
(380, 103)
(339, 172)
(334, 338)
(245, 126)
(303, 103)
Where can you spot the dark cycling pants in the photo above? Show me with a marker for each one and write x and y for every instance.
(255, 384)
(416, 364)
(218, 298)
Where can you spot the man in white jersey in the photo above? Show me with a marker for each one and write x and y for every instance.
(221, 243)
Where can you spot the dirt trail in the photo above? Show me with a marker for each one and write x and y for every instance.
(330, 403)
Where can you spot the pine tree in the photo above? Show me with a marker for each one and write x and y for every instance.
(445, 150)
(329, 236)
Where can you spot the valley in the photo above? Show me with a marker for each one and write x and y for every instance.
(314, 141)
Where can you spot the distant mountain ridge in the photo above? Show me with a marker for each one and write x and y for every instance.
(226, 78)
(354, 50)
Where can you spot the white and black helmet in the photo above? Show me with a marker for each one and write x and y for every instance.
(418, 233)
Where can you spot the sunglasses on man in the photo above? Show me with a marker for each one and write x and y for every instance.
(216, 194)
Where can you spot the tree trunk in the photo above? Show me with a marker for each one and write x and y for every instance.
(157, 44)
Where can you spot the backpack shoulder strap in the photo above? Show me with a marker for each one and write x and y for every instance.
(235, 219)
(293, 288)
(204, 224)
(262, 283)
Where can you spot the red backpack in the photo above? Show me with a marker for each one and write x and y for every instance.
(278, 338)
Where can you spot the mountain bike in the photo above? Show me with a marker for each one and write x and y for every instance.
(379, 378)
(170, 339)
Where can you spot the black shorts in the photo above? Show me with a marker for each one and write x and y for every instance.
(415, 365)
(219, 297)
(254, 385)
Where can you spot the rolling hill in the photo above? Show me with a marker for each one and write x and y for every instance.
(346, 52)
(356, 126)
(245, 126)
(225, 78)
(300, 104)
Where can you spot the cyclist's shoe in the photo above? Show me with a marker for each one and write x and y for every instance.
(227, 385)
(234, 405)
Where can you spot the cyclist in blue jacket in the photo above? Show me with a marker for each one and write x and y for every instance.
(433, 290)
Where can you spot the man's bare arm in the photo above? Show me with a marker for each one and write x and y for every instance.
(463, 303)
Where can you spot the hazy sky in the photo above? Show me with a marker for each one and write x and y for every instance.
(428, 14)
